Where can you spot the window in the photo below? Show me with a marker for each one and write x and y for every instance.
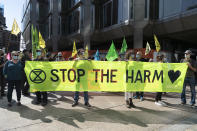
(131, 9)
(107, 14)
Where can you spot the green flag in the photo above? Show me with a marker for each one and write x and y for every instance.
(124, 46)
(33, 42)
(112, 53)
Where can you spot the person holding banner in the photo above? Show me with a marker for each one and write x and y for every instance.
(160, 58)
(25, 84)
(190, 78)
(81, 56)
(139, 58)
(13, 73)
(60, 57)
(129, 56)
(41, 96)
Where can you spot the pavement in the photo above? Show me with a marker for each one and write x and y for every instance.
(108, 113)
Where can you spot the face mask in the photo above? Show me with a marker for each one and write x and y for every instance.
(137, 56)
(38, 53)
(165, 59)
(132, 56)
(187, 56)
(15, 57)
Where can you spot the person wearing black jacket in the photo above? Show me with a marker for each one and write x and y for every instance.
(2, 79)
(139, 58)
(42, 97)
(25, 84)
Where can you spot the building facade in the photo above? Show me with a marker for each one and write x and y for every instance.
(97, 22)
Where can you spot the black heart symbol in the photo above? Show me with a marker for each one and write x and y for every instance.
(174, 75)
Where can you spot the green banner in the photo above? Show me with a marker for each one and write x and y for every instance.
(117, 76)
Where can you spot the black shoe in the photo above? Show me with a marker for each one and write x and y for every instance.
(26, 94)
(127, 104)
(18, 103)
(87, 104)
(131, 103)
(183, 103)
(44, 104)
(192, 104)
(74, 104)
(9, 104)
(37, 102)
(3, 94)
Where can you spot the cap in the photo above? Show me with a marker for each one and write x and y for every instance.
(188, 52)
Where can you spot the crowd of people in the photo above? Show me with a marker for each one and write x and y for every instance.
(12, 73)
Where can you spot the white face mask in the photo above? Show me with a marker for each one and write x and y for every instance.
(132, 56)
(15, 57)
(38, 53)
(187, 56)
(138, 56)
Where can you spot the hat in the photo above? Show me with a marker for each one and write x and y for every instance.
(188, 52)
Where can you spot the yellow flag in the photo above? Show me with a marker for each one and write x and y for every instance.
(15, 28)
(74, 50)
(157, 43)
(41, 41)
(86, 52)
(148, 49)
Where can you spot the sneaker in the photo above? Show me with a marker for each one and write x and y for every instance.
(157, 103)
(37, 102)
(9, 104)
(135, 97)
(141, 98)
(192, 104)
(26, 94)
(162, 103)
(132, 105)
(18, 103)
(87, 104)
(183, 103)
(74, 104)
(44, 104)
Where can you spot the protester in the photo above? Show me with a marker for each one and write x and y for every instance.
(41, 96)
(129, 56)
(49, 57)
(60, 57)
(25, 85)
(81, 56)
(190, 78)
(139, 58)
(13, 73)
(2, 79)
(160, 59)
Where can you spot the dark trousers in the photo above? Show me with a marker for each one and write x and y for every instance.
(11, 85)
(25, 85)
(41, 96)
(2, 83)
(158, 96)
(140, 94)
(191, 82)
(76, 97)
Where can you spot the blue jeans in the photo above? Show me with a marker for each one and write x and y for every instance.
(191, 82)
(76, 97)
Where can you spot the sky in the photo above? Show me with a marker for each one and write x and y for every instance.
(12, 9)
